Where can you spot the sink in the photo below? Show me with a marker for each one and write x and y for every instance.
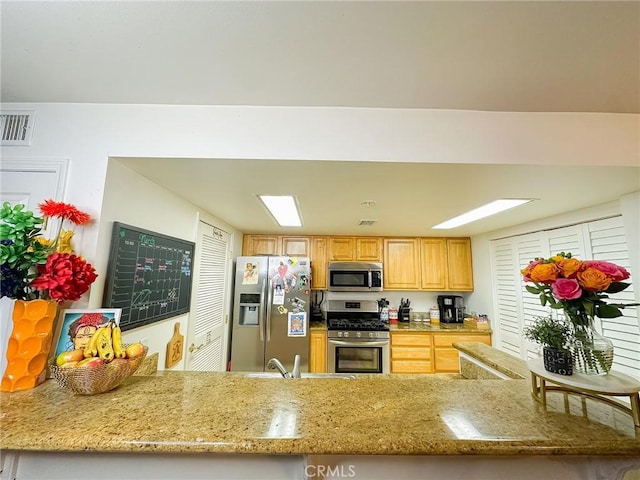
(304, 375)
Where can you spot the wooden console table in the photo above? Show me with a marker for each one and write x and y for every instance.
(598, 387)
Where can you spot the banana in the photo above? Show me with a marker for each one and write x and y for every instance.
(116, 339)
(103, 344)
(91, 349)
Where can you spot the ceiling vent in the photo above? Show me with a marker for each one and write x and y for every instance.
(16, 127)
(366, 223)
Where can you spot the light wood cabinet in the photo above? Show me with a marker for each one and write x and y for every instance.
(261, 245)
(341, 249)
(445, 356)
(275, 245)
(296, 246)
(435, 264)
(459, 264)
(368, 249)
(401, 264)
(411, 352)
(318, 352)
(355, 249)
(429, 352)
(318, 257)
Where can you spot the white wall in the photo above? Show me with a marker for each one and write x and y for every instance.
(134, 200)
(89, 134)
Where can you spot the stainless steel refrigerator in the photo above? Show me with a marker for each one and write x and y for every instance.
(270, 312)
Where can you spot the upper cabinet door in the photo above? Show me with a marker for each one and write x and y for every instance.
(342, 249)
(261, 245)
(295, 246)
(433, 252)
(318, 263)
(460, 265)
(401, 264)
(369, 249)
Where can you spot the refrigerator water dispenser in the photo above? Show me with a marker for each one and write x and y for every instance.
(249, 309)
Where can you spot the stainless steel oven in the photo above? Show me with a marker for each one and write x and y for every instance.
(357, 339)
(358, 352)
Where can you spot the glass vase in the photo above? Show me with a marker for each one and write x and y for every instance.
(592, 353)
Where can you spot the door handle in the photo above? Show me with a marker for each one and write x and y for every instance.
(262, 314)
(340, 343)
(193, 347)
(269, 300)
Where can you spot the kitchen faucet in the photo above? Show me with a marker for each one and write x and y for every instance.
(274, 363)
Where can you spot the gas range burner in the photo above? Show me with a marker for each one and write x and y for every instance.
(361, 325)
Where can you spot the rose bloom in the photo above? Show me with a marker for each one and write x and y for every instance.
(615, 272)
(566, 289)
(593, 280)
(569, 267)
(544, 273)
(526, 271)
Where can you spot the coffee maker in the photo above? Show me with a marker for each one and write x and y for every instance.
(451, 308)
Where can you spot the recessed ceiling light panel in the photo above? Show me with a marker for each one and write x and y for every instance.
(283, 208)
(492, 208)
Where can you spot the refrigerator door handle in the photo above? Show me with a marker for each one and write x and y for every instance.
(269, 299)
(261, 316)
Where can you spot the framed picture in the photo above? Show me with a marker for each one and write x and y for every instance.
(78, 325)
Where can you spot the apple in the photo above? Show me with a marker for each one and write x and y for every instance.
(134, 350)
(70, 356)
(90, 362)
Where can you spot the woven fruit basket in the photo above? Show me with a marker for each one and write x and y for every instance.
(91, 380)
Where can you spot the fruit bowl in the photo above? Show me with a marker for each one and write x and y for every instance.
(93, 379)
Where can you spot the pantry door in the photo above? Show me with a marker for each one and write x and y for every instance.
(208, 332)
(28, 182)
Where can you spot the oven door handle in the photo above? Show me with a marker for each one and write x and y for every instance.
(361, 343)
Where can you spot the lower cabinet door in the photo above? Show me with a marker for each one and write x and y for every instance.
(446, 360)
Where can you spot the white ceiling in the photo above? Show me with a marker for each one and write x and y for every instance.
(544, 56)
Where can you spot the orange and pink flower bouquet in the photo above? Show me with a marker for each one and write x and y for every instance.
(580, 288)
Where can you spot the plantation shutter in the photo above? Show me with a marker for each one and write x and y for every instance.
(608, 242)
(506, 297)
(515, 308)
(528, 248)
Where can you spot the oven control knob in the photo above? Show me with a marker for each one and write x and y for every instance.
(358, 334)
(372, 334)
(339, 334)
(346, 334)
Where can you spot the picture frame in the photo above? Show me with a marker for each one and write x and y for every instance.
(76, 326)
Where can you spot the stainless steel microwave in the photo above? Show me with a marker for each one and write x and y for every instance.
(354, 277)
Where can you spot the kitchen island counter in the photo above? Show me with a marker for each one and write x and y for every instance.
(178, 412)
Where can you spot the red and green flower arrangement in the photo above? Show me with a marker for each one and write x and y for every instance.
(32, 266)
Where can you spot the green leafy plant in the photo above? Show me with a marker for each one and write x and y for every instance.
(549, 332)
(32, 266)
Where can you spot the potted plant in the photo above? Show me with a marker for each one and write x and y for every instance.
(554, 335)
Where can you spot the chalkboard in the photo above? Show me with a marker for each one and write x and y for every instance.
(149, 276)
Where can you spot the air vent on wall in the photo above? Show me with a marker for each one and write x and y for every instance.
(16, 127)
(366, 223)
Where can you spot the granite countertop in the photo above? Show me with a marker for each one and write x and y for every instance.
(436, 327)
(389, 415)
(509, 365)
